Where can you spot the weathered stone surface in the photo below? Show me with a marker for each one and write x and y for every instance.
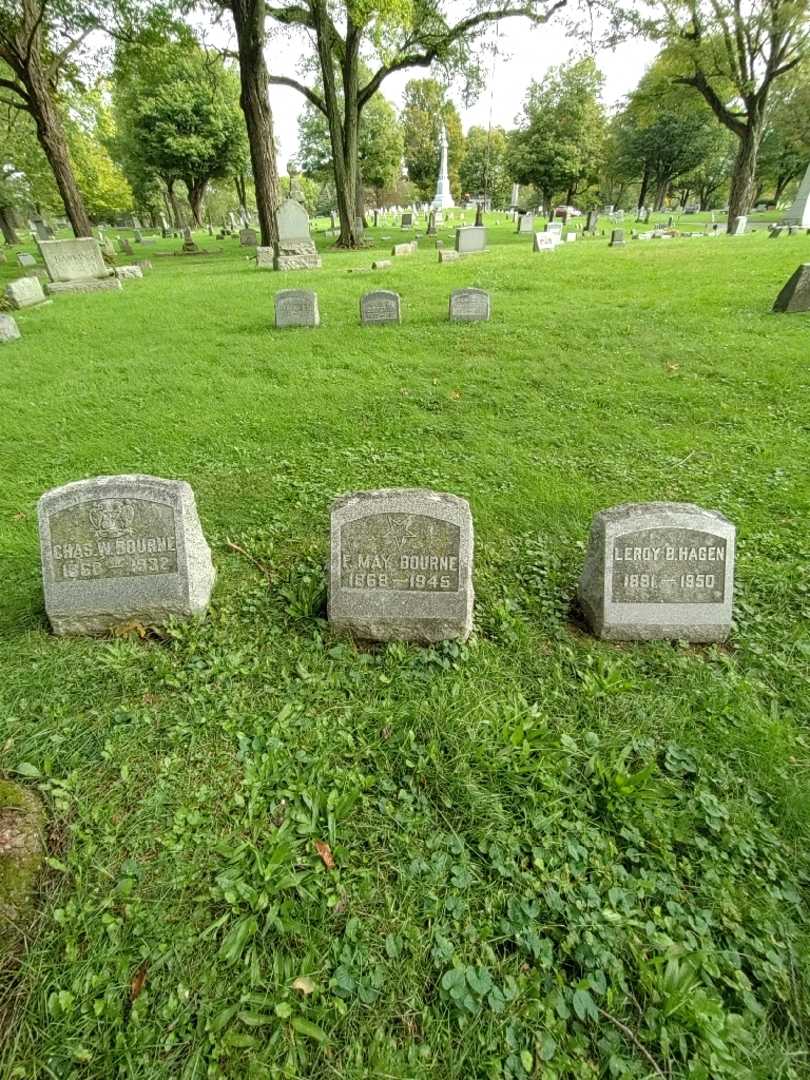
(25, 292)
(659, 571)
(293, 221)
(740, 224)
(470, 305)
(401, 566)
(264, 258)
(122, 549)
(124, 272)
(73, 260)
(795, 296)
(124, 246)
(54, 288)
(22, 845)
(296, 262)
(406, 221)
(545, 241)
(446, 255)
(554, 227)
(471, 238)
(617, 238)
(296, 247)
(380, 307)
(799, 213)
(297, 307)
(247, 238)
(525, 223)
(403, 249)
(9, 331)
(381, 264)
(24, 259)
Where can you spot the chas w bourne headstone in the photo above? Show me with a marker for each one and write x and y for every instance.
(469, 305)
(659, 571)
(122, 549)
(401, 565)
(297, 307)
(380, 307)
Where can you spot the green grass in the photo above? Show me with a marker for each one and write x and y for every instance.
(550, 851)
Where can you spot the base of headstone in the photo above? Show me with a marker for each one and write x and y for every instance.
(55, 288)
(124, 273)
(22, 847)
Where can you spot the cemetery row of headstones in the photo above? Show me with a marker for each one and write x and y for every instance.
(123, 550)
(299, 307)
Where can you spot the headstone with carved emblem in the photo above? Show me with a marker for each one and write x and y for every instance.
(122, 551)
(401, 565)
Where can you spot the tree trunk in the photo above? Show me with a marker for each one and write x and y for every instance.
(7, 227)
(642, 192)
(241, 190)
(196, 194)
(176, 215)
(51, 137)
(249, 21)
(743, 179)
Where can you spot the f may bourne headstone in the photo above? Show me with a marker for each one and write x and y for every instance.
(795, 296)
(401, 566)
(380, 307)
(469, 305)
(122, 549)
(297, 307)
(659, 571)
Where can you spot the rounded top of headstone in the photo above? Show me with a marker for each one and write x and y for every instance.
(100, 485)
(661, 510)
(418, 496)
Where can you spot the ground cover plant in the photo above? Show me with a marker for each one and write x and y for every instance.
(276, 853)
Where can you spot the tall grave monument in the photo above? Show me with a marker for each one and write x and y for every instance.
(443, 197)
(799, 213)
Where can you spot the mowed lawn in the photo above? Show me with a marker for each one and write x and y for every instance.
(554, 857)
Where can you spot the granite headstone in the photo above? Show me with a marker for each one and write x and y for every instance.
(380, 307)
(297, 307)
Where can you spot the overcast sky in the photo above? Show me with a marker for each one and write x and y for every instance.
(524, 53)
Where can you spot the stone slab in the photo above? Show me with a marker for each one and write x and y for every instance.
(297, 307)
(124, 273)
(471, 238)
(403, 249)
(122, 549)
(54, 288)
(264, 258)
(659, 571)
(9, 331)
(296, 262)
(525, 223)
(470, 305)
(25, 292)
(381, 264)
(401, 566)
(380, 308)
(73, 260)
(617, 238)
(545, 241)
(293, 221)
(24, 259)
(447, 255)
(296, 247)
(248, 238)
(795, 296)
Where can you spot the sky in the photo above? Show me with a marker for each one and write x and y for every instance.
(524, 53)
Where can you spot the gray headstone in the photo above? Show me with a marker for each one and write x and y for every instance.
(264, 258)
(659, 571)
(24, 259)
(592, 222)
(545, 241)
(403, 249)
(469, 305)
(122, 549)
(401, 566)
(297, 307)
(73, 260)
(293, 222)
(471, 238)
(525, 223)
(617, 238)
(25, 292)
(554, 227)
(795, 296)
(124, 273)
(446, 255)
(381, 264)
(248, 238)
(406, 221)
(9, 331)
(740, 224)
(380, 307)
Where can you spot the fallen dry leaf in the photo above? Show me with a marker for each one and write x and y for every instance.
(304, 984)
(138, 983)
(325, 853)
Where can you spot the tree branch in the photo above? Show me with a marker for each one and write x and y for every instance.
(726, 117)
(310, 95)
(9, 84)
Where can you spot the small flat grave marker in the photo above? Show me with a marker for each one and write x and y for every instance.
(658, 571)
(469, 305)
(544, 241)
(118, 550)
(401, 566)
(9, 331)
(24, 259)
(380, 308)
(25, 292)
(297, 307)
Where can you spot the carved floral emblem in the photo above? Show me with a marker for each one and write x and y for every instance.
(112, 518)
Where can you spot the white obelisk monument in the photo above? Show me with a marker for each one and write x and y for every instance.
(442, 199)
(799, 213)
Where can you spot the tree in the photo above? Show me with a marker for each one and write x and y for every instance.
(392, 37)
(38, 39)
(379, 146)
(249, 20)
(559, 143)
(179, 116)
(484, 168)
(426, 110)
(786, 144)
(732, 52)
